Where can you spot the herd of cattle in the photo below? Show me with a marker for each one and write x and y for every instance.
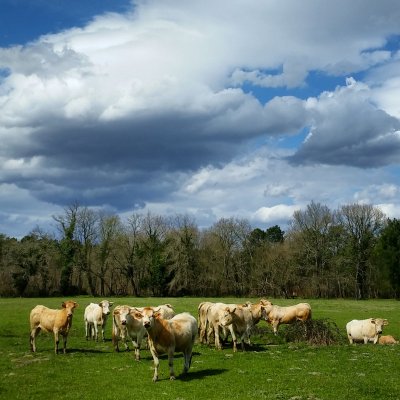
(167, 332)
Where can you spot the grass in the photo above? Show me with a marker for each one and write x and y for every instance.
(272, 369)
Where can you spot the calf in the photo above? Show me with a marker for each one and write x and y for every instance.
(96, 315)
(57, 321)
(387, 339)
(365, 330)
(169, 336)
(277, 315)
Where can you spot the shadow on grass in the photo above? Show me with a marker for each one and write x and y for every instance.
(201, 374)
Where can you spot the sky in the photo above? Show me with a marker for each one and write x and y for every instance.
(212, 108)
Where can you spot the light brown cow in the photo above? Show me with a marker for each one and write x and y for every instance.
(277, 315)
(125, 326)
(202, 320)
(169, 336)
(387, 339)
(57, 321)
(215, 313)
(239, 321)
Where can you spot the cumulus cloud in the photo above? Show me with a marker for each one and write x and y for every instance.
(151, 106)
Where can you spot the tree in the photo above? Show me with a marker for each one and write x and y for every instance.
(362, 224)
(387, 253)
(67, 246)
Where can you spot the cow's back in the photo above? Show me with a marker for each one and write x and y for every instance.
(184, 328)
(93, 312)
(43, 317)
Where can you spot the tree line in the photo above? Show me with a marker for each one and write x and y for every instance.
(351, 252)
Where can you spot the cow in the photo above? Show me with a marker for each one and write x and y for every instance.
(57, 321)
(96, 315)
(277, 315)
(215, 313)
(126, 325)
(365, 330)
(168, 336)
(202, 320)
(387, 339)
(238, 319)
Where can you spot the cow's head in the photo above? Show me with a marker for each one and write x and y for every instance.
(122, 312)
(147, 315)
(70, 306)
(105, 305)
(226, 316)
(379, 324)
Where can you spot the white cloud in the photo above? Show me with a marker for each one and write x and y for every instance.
(148, 107)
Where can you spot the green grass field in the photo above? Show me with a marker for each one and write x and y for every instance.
(272, 369)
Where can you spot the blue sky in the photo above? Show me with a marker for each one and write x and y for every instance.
(215, 109)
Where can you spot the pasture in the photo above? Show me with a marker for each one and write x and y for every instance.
(271, 369)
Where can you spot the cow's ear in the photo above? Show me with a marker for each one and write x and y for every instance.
(111, 303)
(116, 312)
(101, 304)
(76, 304)
(373, 321)
(385, 322)
(156, 314)
(232, 310)
(63, 305)
(138, 315)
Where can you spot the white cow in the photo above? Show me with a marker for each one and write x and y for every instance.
(96, 315)
(365, 330)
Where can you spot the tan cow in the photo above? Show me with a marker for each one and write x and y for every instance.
(239, 321)
(96, 316)
(215, 313)
(127, 326)
(57, 321)
(277, 315)
(169, 336)
(202, 320)
(387, 339)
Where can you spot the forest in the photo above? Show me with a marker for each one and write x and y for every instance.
(351, 252)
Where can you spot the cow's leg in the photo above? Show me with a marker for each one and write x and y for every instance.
(86, 329)
(365, 340)
(34, 332)
(65, 343)
(216, 336)
(96, 331)
(103, 331)
(171, 364)
(234, 338)
(155, 360)
(56, 341)
(115, 337)
(187, 360)
(275, 325)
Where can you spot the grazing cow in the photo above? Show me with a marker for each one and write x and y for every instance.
(365, 330)
(387, 339)
(125, 325)
(202, 320)
(277, 315)
(96, 315)
(57, 321)
(239, 321)
(169, 336)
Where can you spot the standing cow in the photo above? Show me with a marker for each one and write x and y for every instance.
(277, 315)
(169, 336)
(96, 316)
(365, 330)
(57, 321)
